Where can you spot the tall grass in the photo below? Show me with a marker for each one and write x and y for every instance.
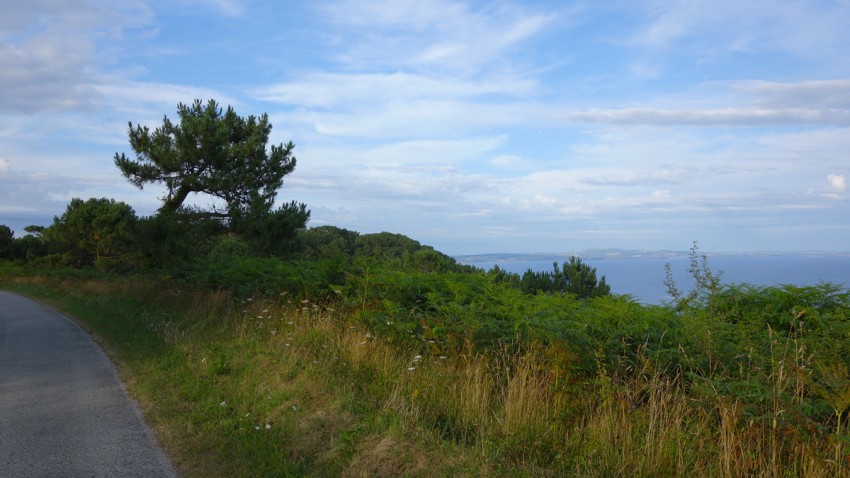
(284, 386)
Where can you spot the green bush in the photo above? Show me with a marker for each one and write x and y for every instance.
(93, 232)
(573, 277)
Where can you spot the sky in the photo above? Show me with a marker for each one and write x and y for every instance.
(470, 126)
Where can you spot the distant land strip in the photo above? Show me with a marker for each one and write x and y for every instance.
(600, 254)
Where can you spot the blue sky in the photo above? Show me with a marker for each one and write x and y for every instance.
(473, 126)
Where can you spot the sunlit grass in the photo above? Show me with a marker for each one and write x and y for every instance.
(284, 386)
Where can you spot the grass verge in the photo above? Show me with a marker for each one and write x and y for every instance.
(283, 386)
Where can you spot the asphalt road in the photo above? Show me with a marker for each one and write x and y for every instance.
(63, 409)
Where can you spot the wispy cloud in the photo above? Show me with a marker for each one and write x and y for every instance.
(712, 117)
(327, 90)
(157, 98)
(809, 28)
(456, 36)
(738, 103)
(827, 94)
(227, 7)
(653, 178)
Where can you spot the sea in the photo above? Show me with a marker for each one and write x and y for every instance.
(643, 278)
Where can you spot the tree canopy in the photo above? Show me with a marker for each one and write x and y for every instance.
(573, 277)
(7, 240)
(92, 232)
(211, 151)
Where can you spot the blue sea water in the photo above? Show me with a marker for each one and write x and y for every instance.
(643, 278)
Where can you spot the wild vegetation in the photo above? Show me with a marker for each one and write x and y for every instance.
(261, 347)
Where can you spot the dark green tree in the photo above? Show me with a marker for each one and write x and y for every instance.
(385, 245)
(573, 277)
(7, 241)
(274, 233)
(214, 152)
(29, 248)
(164, 241)
(324, 242)
(34, 230)
(500, 275)
(578, 278)
(93, 232)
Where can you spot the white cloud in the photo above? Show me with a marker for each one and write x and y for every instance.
(712, 117)
(829, 94)
(403, 104)
(417, 118)
(734, 103)
(4, 165)
(511, 162)
(430, 152)
(837, 182)
(158, 98)
(326, 90)
(665, 176)
(431, 33)
(479, 41)
(50, 54)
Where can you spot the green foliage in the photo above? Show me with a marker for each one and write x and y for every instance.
(275, 234)
(780, 355)
(7, 241)
(497, 274)
(167, 241)
(93, 232)
(213, 152)
(29, 248)
(573, 277)
(706, 282)
(218, 153)
(384, 245)
(775, 359)
(427, 259)
(327, 242)
(230, 269)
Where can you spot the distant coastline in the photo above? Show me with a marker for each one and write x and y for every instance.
(642, 274)
(615, 254)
